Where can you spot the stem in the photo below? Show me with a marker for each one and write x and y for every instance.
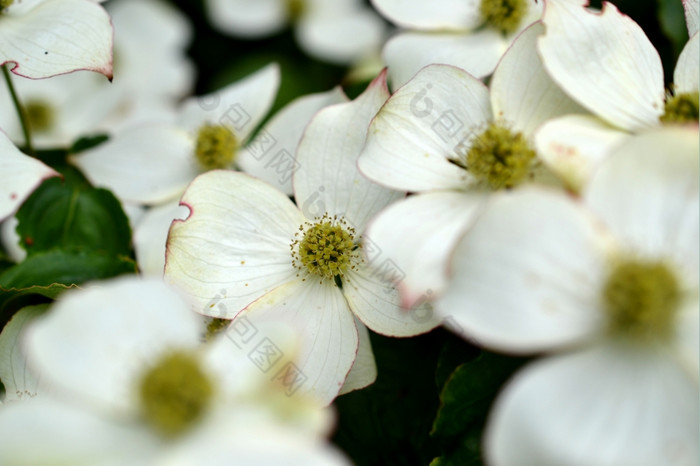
(20, 111)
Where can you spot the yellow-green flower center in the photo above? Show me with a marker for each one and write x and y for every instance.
(174, 393)
(215, 326)
(326, 248)
(216, 147)
(295, 8)
(503, 15)
(40, 114)
(5, 4)
(641, 299)
(499, 157)
(681, 108)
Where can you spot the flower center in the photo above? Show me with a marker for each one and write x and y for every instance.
(216, 147)
(641, 298)
(295, 8)
(327, 248)
(174, 393)
(499, 157)
(503, 15)
(4, 4)
(40, 114)
(681, 108)
(214, 327)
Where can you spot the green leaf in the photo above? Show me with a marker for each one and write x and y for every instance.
(69, 214)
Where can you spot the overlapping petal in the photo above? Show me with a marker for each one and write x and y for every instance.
(685, 76)
(439, 14)
(19, 381)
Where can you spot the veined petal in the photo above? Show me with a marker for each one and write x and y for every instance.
(608, 405)
(94, 341)
(247, 18)
(46, 432)
(328, 336)
(147, 164)
(364, 369)
(527, 275)
(328, 180)
(56, 37)
(421, 126)
(522, 93)
(620, 79)
(437, 14)
(235, 245)
(374, 299)
(21, 175)
(477, 53)
(647, 193)
(685, 76)
(151, 234)
(573, 146)
(240, 106)
(271, 155)
(691, 16)
(19, 381)
(417, 235)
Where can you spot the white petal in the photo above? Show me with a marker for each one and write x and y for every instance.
(425, 123)
(19, 381)
(685, 76)
(247, 18)
(417, 235)
(477, 53)
(374, 299)
(691, 16)
(150, 236)
(620, 79)
(605, 406)
(341, 37)
(328, 336)
(526, 276)
(573, 145)
(646, 192)
(437, 14)
(95, 343)
(364, 369)
(44, 432)
(270, 156)
(687, 337)
(240, 106)
(235, 245)
(20, 175)
(10, 240)
(328, 179)
(522, 93)
(56, 37)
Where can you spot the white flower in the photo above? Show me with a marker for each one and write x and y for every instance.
(435, 137)
(472, 35)
(151, 75)
(132, 384)
(338, 31)
(19, 176)
(265, 259)
(620, 80)
(612, 280)
(43, 38)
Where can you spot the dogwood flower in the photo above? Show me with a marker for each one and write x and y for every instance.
(469, 35)
(132, 384)
(151, 75)
(338, 31)
(43, 38)
(612, 282)
(620, 80)
(265, 259)
(19, 176)
(437, 136)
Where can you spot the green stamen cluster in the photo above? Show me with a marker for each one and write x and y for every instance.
(326, 249)
(215, 326)
(40, 115)
(640, 298)
(216, 147)
(295, 8)
(174, 394)
(503, 15)
(500, 157)
(5, 4)
(681, 108)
